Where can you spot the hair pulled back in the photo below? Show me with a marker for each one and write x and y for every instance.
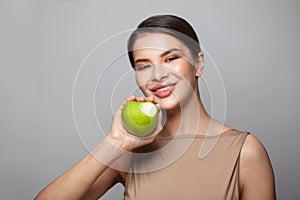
(168, 24)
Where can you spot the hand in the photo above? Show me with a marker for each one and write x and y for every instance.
(124, 140)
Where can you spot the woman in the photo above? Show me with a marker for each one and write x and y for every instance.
(165, 53)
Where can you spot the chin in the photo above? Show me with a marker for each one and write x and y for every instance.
(168, 104)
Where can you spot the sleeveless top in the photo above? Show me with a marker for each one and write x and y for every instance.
(184, 174)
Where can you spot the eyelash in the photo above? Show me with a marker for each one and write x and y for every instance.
(138, 68)
(170, 58)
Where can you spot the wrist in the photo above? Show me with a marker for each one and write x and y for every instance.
(123, 144)
(108, 151)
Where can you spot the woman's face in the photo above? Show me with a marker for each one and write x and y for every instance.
(165, 69)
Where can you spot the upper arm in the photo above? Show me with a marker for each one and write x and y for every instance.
(256, 173)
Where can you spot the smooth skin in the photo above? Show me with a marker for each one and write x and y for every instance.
(90, 179)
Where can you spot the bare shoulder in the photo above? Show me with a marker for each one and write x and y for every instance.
(253, 150)
(256, 175)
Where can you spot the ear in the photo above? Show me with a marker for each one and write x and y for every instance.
(199, 64)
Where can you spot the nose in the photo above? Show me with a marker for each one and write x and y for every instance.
(159, 73)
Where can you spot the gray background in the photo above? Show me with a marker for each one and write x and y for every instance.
(42, 44)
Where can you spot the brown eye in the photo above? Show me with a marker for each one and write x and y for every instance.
(170, 58)
(142, 67)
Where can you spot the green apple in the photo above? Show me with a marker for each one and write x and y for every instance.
(140, 118)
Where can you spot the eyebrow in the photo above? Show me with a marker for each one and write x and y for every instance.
(161, 55)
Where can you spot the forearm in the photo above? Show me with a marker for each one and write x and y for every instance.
(75, 182)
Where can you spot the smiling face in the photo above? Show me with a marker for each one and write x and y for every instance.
(165, 69)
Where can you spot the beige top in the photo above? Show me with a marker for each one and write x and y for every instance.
(186, 176)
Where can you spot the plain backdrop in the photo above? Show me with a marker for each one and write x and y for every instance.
(254, 44)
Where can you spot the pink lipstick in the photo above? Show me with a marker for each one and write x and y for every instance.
(163, 90)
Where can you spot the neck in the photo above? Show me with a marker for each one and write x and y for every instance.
(190, 117)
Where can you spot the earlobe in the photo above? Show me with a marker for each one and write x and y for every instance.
(199, 70)
(200, 65)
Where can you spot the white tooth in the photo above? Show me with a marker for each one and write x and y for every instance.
(163, 89)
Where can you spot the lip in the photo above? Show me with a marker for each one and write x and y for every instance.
(164, 93)
(161, 85)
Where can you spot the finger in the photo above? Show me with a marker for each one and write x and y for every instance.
(150, 99)
(131, 98)
(140, 99)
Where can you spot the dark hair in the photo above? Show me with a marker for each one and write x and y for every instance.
(168, 24)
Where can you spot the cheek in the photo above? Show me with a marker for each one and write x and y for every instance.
(141, 79)
(186, 70)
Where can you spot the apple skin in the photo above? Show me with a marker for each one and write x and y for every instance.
(137, 122)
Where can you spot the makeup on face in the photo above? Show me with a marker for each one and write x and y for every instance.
(163, 67)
